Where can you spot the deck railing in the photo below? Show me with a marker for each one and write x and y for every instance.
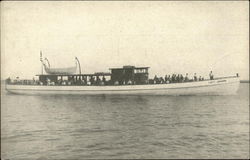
(107, 83)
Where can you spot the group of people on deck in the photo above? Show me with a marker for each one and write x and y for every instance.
(179, 78)
(174, 78)
(96, 81)
(92, 81)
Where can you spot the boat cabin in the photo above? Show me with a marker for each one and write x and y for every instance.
(75, 79)
(127, 75)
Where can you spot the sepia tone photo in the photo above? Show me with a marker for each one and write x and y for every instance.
(124, 80)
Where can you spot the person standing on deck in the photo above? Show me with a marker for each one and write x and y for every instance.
(161, 80)
(200, 79)
(182, 78)
(211, 75)
(103, 80)
(98, 80)
(173, 78)
(169, 79)
(155, 79)
(166, 78)
(195, 77)
(8, 80)
(186, 78)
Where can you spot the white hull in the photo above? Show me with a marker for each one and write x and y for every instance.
(222, 86)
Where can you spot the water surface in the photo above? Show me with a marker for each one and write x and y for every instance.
(83, 127)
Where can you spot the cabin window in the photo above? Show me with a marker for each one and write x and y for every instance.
(140, 70)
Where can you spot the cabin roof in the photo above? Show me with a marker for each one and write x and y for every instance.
(95, 74)
(129, 67)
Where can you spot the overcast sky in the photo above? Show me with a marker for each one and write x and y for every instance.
(169, 37)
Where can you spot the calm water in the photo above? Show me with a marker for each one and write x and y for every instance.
(79, 127)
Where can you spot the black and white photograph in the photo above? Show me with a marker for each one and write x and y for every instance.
(124, 80)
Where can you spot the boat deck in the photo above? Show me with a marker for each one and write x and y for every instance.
(36, 83)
